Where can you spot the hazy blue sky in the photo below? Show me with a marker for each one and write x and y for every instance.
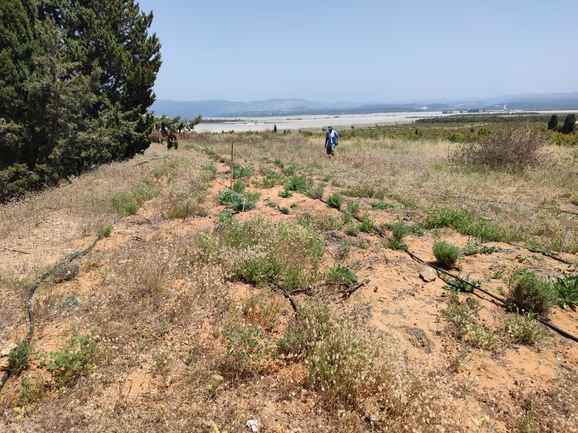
(364, 50)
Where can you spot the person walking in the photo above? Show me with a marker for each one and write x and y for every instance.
(331, 141)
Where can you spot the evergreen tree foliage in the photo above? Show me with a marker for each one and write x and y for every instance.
(76, 79)
(553, 122)
(569, 124)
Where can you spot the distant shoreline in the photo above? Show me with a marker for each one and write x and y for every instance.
(315, 122)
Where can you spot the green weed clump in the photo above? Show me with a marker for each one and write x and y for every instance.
(104, 231)
(567, 287)
(524, 329)
(342, 274)
(299, 184)
(238, 201)
(129, 201)
(464, 317)
(530, 293)
(446, 254)
(381, 205)
(364, 191)
(19, 357)
(467, 223)
(247, 350)
(265, 251)
(317, 192)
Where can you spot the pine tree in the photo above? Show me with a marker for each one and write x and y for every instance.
(76, 79)
(553, 122)
(569, 124)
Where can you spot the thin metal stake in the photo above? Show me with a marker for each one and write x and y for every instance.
(232, 170)
(569, 225)
(564, 239)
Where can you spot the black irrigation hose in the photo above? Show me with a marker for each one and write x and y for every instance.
(45, 275)
(473, 286)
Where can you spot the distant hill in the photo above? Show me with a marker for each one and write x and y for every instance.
(296, 106)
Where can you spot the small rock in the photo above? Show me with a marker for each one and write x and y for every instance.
(253, 424)
(428, 275)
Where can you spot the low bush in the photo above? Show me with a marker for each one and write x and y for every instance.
(317, 192)
(530, 293)
(335, 201)
(513, 147)
(446, 254)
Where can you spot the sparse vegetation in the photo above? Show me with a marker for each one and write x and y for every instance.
(189, 319)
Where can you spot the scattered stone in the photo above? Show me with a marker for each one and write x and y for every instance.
(428, 275)
(253, 424)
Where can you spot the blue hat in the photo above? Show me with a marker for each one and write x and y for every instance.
(330, 127)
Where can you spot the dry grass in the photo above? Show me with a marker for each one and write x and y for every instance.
(187, 324)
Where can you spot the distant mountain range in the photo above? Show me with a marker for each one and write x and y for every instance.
(276, 107)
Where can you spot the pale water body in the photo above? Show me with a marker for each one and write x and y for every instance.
(313, 122)
(318, 121)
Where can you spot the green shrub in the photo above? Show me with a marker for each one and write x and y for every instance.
(269, 202)
(283, 210)
(299, 184)
(242, 172)
(531, 293)
(104, 231)
(364, 191)
(473, 247)
(73, 361)
(209, 172)
(394, 244)
(399, 231)
(272, 178)
(366, 226)
(128, 202)
(238, 202)
(446, 254)
(352, 229)
(335, 201)
(285, 194)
